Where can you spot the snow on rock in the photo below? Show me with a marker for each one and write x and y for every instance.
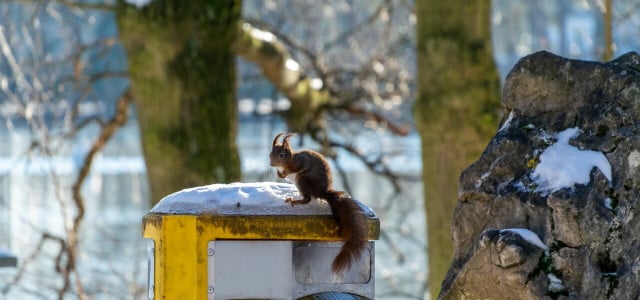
(589, 215)
(507, 123)
(529, 236)
(634, 160)
(256, 198)
(563, 165)
(608, 203)
(482, 178)
(555, 284)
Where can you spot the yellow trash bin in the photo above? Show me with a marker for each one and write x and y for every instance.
(242, 241)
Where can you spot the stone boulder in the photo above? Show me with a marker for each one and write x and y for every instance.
(548, 210)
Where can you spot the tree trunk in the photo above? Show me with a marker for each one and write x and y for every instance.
(182, 72)
(456, 111)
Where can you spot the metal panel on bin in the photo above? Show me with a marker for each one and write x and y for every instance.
(264, 266)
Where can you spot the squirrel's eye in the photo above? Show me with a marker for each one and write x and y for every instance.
(282, 155)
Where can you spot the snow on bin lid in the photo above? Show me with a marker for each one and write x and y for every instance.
(254, 198)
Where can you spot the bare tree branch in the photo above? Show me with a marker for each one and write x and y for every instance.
(117, 121)
(314, 58)
(44, 98)
(351, 31)
(308, 98)
(377, 166)
(29, 259)
(264, 49)
(398, 129)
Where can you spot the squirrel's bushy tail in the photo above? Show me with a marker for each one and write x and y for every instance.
(352, 224)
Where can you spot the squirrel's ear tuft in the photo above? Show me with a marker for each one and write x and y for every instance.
(285, 141)
(275, 140)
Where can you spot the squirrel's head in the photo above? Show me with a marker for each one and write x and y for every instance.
(281, 153)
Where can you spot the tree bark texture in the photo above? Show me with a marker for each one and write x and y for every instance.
(183, 78)
(456, 110)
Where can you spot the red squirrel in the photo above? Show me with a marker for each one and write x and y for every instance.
(311, 174)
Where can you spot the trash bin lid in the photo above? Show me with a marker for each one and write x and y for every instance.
(254, 210)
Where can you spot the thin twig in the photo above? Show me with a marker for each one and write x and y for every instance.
(398, 129)
(400, 258)
(376, 167)
(343, 177)
(30, 258)
(351, 31)
(117, 121)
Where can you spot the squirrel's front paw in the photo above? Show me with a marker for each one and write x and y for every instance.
(290, 200)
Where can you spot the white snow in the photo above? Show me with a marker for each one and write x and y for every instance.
(520, 187)
(262, 198)
(608, 203)
(563, 165)
(507, 123)
(481, 179)
(634, 160)
(259, 34)
(316, 83)
(529, 236)
(291, 65)
(138, 3)
(555, 284)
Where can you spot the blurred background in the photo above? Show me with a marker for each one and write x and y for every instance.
(107, 106)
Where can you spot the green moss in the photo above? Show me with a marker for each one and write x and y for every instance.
(545, 264)
(532, 163)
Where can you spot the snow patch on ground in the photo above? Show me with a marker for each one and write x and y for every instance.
(529, 236)
(238, 198)
(563, 165)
